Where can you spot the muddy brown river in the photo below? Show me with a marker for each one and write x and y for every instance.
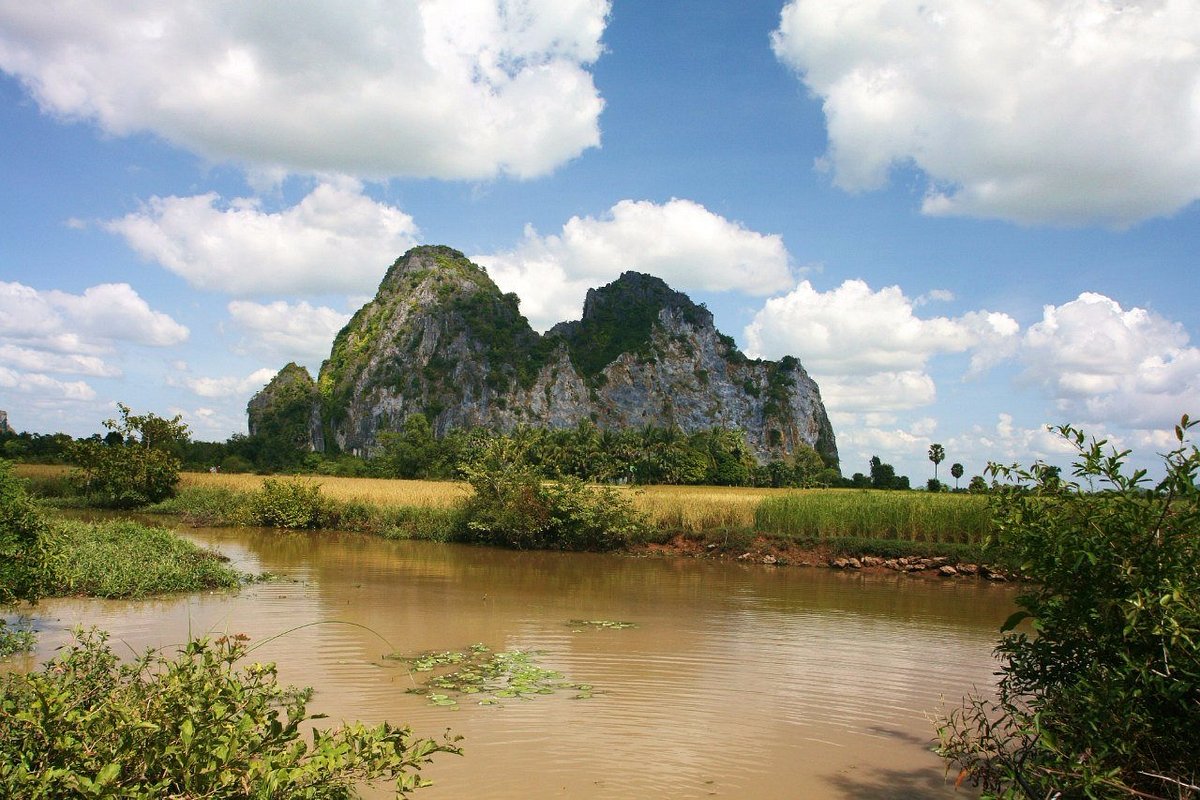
(737, 681)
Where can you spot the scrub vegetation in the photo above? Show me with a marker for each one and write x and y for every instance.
(1101, 699)
(199, 723)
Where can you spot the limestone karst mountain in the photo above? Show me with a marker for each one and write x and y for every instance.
(441, 339)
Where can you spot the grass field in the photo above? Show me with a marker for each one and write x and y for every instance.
(789, 513)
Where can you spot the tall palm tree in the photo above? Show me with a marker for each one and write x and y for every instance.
(937, 454)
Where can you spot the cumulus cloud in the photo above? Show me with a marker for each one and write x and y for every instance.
(226, 386)
(43, 387)
(54, 332)
(283, 331)
(1101, 362)
(1036, 111)
(81, 325)
(680, 241)
(868, 349)
(334, 240)
(461, 89)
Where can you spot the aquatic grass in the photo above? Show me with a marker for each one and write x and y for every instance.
(486, 677)
(123, 559)
(600, 624)
(941, 518)
(203, 506)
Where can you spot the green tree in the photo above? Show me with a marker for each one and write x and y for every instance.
(1104, 701)
(937, 454)
(142, 469)
(414, 452)
(956, 470)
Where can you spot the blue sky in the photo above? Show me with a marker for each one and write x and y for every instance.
(968, 221)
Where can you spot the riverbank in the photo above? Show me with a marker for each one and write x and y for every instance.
(910, 532)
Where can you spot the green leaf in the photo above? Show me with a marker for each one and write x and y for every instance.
(1014, 620)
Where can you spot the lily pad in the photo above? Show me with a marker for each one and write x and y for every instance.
(487, 676)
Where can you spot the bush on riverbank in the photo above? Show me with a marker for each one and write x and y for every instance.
(1104, 702)
(23, 541)
(513, 507)
(196, 725)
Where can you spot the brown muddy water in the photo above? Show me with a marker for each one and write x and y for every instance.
(738, 681)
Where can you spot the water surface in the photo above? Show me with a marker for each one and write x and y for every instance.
(739, 680)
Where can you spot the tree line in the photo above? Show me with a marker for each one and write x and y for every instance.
(648, 455)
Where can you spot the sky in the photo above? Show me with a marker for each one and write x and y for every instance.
(969, 221)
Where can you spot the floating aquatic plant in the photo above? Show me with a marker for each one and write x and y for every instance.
(601, 624)
(487, 677)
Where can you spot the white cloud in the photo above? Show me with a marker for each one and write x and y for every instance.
(1101, 363)
(680, 241)
(334, 240)
(1037, 111)
(27, 358)
(464, 89)
(45, 388)
(867, 349)
(116, 311)
(283, 332)
(227, 386)
(59, 332)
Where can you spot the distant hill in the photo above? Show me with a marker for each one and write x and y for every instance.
(441, 339)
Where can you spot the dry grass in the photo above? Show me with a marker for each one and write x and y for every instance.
(372, 491)
(35, 472)
(700, 508)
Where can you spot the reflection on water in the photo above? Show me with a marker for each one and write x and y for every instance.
(739, 680)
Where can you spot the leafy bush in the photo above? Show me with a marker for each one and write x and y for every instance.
(287, 503)
(197, 725)
(16, 638)
(1105, 700)
(512, 507)
(134, 466)
(23, 536)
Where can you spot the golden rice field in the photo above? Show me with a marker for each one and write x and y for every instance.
(820, 513)
(691, 508)
(372, 491)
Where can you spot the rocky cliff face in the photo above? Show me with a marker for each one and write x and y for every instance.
(441, 339)
(288, 409)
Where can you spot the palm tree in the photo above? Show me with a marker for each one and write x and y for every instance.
(937, 454)
(957, 471)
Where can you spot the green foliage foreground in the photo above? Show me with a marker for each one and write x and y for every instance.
(1104, 701)
(196, 725)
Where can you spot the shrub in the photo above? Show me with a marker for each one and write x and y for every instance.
(23, 537)
(16, 638)
(1105, 700)
(512, 507)
(197, 725)
(287, 503)
(134, 466)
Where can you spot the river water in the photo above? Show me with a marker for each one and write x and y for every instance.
(738, 680)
